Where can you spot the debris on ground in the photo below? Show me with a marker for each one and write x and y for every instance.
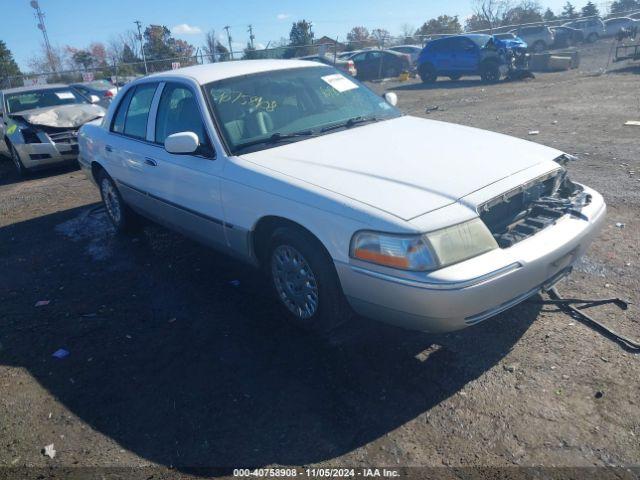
(60, 353)
(434, 108)
(42, 303)
(534, 132)
(632, 123)
(620, 224)
(599, 394)
(49, 451)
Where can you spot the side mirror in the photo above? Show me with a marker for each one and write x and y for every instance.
(94, 98)
(391, 98)
(182, 143)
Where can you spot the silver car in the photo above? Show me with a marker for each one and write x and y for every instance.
(100, 88)
(39, 124)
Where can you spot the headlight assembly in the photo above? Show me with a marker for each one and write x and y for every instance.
(429, 251)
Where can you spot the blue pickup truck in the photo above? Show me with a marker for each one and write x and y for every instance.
(474, 54)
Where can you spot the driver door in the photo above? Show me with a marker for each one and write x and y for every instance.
(185, 188)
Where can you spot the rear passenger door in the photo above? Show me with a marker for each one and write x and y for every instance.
(127, 145)
(185, 188)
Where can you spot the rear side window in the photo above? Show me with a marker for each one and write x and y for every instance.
(135, 123)
(118, 121)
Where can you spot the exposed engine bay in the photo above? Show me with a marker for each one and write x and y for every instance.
(532, 207)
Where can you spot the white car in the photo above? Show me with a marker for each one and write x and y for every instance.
(613, 26)
(341, 199)
(592, 28)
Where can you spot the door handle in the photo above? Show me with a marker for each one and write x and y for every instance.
(108, 148)
(150, 161)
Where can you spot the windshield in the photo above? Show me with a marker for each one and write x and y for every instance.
(28, 100)
(261, 110)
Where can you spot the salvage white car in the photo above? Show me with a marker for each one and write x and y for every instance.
(39, 124)
(346, 203)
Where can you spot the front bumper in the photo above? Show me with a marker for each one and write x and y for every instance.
(469, 292)
(38, 155)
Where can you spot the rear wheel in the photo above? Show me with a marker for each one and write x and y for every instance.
(15, 158)
(539, 46)
(121, 216)
(427, 73)
(490, 72)
(305, 282)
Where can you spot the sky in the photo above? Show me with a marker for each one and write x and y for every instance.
(78, 23)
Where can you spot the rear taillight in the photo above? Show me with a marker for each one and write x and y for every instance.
(108, 94)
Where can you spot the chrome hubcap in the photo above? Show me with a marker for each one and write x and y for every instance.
(294, 281)
(111, 201)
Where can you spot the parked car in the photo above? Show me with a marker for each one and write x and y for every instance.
(39, 124)
(566, 36)
(462, 55)
(613, 26)
(412, 50)
(100, 88)
(347, 66)
(329, 189)
(591, 28)
(635, 15)
(538, 37)
(373, 64)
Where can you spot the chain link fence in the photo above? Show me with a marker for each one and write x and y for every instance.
(121, 73)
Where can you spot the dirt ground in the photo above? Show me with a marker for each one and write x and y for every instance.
(179, 359)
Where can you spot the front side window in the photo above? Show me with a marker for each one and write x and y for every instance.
(178, 112)
(254, 110)
(31, 99)
(135, 124)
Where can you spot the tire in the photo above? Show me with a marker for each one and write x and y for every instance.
(490, 72)
(21, 170)
(539, 46)
(592, 37)
(120, 214)
(427, 73)
(455, 77)
(304, 281)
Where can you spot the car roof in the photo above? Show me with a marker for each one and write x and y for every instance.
(212, 72)
(405, 46)
(33, 88)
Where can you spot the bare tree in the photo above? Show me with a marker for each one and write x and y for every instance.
(491, 11)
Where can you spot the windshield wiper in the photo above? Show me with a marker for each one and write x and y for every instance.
(277, 137)
(350, 123)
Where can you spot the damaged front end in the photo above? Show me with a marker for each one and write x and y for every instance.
(534, 206)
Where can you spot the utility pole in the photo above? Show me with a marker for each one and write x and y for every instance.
(311, 32)
(41, 26)
(251, 36)
(144, 57)
(229, 39)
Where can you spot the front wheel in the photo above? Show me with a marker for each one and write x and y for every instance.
(490, 72)
(305, 282)
(121, 216)
(21, 170)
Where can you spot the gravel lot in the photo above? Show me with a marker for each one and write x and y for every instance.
(178, 359)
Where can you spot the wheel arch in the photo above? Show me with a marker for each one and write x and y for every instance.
(264, 228)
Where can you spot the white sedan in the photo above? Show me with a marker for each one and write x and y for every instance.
(344, 202)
